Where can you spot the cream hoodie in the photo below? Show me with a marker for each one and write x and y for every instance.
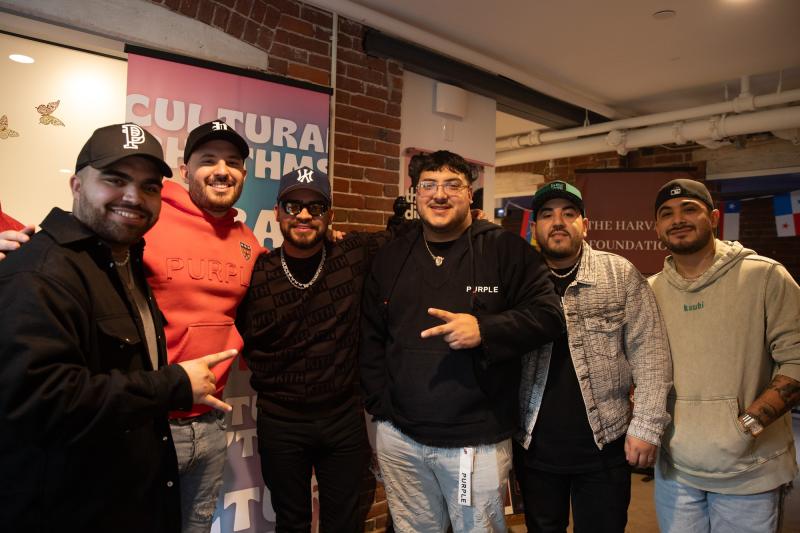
(730, 331)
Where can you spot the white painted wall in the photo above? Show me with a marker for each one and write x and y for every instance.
(38, 163)
(472, 137)
(91, 88)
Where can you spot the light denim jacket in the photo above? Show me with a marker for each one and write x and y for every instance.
(617, 339)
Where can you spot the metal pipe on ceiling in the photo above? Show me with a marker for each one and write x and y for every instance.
(716, 127)
(743, 103)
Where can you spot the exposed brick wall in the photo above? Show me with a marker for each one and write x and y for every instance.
(366, 147)
(297, 40)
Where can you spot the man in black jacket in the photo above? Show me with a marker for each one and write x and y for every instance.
(84, 395)
(448, 312)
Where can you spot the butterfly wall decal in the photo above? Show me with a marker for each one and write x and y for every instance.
(46, 111)
(5, 131)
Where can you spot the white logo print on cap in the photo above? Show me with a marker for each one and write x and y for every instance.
(305, 175)
(134, 136)
(674, 191)
(217, 125)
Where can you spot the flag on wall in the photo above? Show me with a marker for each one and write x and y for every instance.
(729, 220)
(526, 228)
(787, 214)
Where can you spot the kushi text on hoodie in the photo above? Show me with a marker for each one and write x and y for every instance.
(730, 331)
(199, 268)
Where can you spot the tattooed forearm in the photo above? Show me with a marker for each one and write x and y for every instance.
(778, 398)
(789, 392)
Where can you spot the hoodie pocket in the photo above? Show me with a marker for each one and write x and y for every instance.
(436, 388)
(705, 438)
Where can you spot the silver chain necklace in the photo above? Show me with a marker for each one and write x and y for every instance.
(438, 259)
(293, 281)
(571, 270)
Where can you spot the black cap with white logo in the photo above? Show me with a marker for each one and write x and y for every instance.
(305, 178)
(684, 188)
(109, 144)
(216, 129)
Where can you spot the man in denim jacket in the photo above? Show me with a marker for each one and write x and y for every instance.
(580, 432)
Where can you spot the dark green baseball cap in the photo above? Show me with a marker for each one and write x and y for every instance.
(557, 189)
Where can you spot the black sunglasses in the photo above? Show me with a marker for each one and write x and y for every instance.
(294, 207)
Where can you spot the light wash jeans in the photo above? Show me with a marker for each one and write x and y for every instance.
(200, 445)
(422, 484)
(684, 509)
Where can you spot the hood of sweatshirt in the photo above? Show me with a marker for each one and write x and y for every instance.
(174, 195)
(726, 255)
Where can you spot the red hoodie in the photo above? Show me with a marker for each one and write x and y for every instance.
(6, 222)
(199, 267)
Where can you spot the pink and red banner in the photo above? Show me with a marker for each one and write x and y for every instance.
(286, 127)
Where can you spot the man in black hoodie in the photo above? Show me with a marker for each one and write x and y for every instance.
(448, 312)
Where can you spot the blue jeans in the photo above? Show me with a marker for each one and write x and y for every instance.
(684, 509)
(422, 484)
(200, 444)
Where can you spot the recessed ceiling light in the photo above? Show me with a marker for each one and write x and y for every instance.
(664, 14)
(19, 58)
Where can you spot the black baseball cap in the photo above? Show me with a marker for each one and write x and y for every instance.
(684, 188)
(305, 178)
(557, 189)
(216, 129)
(109, 144)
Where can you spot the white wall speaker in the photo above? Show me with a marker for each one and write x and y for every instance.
(450, 100)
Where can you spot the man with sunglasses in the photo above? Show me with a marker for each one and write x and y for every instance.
(301, 328)
(448, 312)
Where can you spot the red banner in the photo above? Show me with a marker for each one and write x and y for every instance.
(619, 206)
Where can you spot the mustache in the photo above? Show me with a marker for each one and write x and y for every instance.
(134, 208)
(558, 229)
(226, 180)
(679, 227)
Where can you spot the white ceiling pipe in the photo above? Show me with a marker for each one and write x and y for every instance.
(716, 127)
(745, 102)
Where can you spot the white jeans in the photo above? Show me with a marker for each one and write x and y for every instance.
(422, 484)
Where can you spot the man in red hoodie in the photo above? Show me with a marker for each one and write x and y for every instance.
(199, 262)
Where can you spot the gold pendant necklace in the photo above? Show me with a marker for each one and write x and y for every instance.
(438, 259)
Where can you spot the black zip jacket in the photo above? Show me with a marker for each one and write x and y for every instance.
(85, 442)
(436, 395)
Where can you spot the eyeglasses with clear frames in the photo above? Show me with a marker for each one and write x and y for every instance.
(295, 207)
(450, 187)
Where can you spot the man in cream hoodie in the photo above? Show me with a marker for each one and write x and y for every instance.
(733, 320)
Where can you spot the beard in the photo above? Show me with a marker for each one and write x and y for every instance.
(306, 242)
(560, 253)
(111, 231)
(564, 251)
(687, 247)
(206, 198)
